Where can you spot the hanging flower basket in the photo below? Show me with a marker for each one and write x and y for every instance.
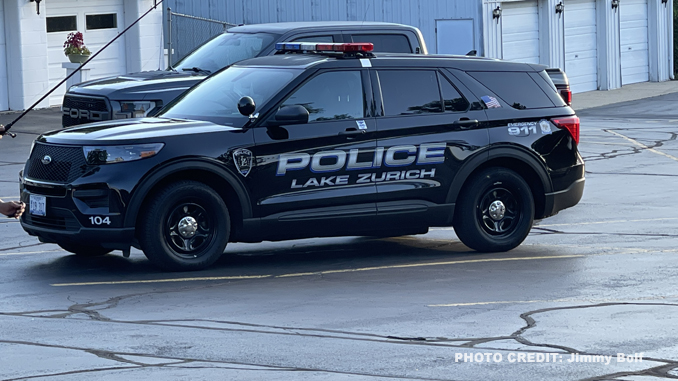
(75, 49)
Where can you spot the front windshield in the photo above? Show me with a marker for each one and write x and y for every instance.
(216, 98)
(225, 50)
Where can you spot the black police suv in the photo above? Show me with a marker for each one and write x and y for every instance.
(320, 140)
(142, 94)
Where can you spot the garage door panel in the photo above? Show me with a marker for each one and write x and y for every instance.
(520, 31)
(581, 53)
(635, 63)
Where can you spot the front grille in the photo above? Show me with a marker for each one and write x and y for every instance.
(67, 164)
(57, 192)
(79, 110)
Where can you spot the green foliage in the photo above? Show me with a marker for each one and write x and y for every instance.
(75, 44)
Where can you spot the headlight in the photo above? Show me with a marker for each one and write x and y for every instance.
(119, 154)
(132, 109)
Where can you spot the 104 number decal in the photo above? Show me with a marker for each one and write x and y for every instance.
(99, 220)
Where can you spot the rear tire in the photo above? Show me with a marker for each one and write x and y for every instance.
(84, 251)
(186, 227)
(495, 211)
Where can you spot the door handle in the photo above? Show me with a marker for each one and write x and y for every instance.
(465, 123)
(352, 131)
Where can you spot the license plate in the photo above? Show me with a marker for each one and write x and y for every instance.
(38, 205)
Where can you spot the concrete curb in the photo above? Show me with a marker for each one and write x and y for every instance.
(591, 99)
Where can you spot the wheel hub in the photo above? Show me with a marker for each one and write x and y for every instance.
(497, 210)
(187, 227)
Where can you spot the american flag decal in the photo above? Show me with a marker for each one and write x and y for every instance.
(490, 102)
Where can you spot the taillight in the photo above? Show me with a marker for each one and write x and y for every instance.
(569, 123)
(567, 96)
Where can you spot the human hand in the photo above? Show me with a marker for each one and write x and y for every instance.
(12, 208)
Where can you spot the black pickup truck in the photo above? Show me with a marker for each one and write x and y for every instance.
(143, 94)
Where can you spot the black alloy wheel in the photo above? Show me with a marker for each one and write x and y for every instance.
(186, 227)
(494, 211)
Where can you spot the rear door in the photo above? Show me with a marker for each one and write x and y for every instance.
(428, 125)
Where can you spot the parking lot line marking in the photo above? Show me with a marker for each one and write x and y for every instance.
(643, 146)
(30, 252)
(411, 265)
(168, 280)
(429, 264)
(608, 222)
(563, 300)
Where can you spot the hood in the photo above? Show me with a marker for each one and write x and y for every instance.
(131, 131)
(137, 86)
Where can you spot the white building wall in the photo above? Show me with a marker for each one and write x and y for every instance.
(660, 29)
(144, 40)
(27, 54)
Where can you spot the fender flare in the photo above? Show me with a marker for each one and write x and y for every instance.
(498, 152)
(157, 175)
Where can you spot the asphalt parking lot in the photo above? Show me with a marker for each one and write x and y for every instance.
(592, 294)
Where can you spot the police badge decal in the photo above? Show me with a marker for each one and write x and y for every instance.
(243, 161)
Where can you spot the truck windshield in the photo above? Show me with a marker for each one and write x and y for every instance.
(224, 50)
(216, 98)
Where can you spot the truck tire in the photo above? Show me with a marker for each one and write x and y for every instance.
(495, 211)
(185, 227)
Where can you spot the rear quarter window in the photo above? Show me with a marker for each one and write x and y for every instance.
(518, 89)
(387, 43)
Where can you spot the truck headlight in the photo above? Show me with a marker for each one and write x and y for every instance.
(119, 154)
(132, 109)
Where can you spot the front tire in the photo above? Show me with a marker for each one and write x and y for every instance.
(495, 211)
(186, 227)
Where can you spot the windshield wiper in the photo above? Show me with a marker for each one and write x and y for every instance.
(197, 70)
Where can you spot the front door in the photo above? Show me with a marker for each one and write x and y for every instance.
(307, 172)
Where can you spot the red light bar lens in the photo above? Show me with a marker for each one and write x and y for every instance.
(357, 47)
(569, 123)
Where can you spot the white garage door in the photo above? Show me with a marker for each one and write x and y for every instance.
(4, 100)
(99, 21)
(520, 31)
(635, 61)
(581, 64)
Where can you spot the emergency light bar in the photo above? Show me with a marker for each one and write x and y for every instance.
(350, 47)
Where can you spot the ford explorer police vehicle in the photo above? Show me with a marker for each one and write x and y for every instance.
(319, 140)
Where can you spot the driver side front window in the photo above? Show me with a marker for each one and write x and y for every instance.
(331, 96)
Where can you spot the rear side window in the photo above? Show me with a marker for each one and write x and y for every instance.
(388, 43)
(409, 92)
(517, 89)
(320, 39)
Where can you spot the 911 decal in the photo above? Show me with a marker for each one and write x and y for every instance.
(527, 128)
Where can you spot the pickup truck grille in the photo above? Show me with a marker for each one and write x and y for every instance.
(79, 110)
(67, 163)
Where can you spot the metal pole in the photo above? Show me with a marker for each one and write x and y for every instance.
(169, 37)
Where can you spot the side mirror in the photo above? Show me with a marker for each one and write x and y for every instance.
(246, 106)
(291, 114)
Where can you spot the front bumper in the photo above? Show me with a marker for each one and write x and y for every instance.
(75, 215)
